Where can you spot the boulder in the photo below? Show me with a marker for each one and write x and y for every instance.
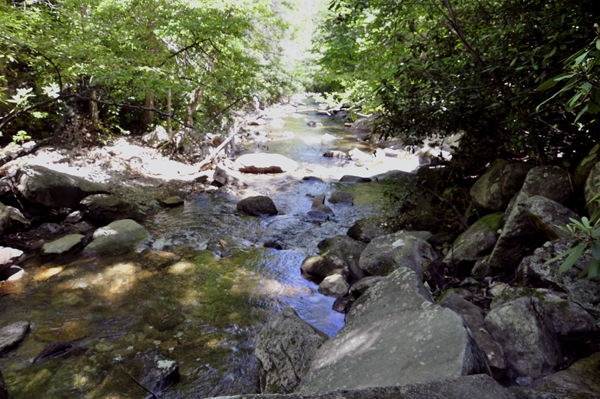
(395, 335)
(364, 284)
(265, 163)
(257, 206)
(547, 216)
(318, 200)
(226, 176)
(44, 186)
(156, 137)
(118, 237)
(524, 329)
(334, 286)
(335, 154)
(474, 318)
(154, 371)
(337, 255)
(582, 291)
(284, 348)
(519, 237)
(367, 229)
(475, 243)
(12, 335)
(581, 377)
(63, 245)
(172, 201)
(385, 254)
(592, 188)
(105, 208)
(355, 179)
(487, 190)
(585, 167)
(8, 257)
(341, 197)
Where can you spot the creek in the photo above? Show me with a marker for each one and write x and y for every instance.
(200, 292)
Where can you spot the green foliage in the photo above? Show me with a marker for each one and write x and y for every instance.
(448, 66)
(587, 238)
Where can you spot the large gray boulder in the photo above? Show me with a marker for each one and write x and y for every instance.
(385, 254)
(474, 318)
(475, 243)
(284, 348)
(524, 329)
(582, 291)
(157, 137)
(592, 188)
(395, 335)
(501, 181)
(118, 237)
(257, 206)
(519, 237)
(334, 286)
(265, 163)
(12, 335)
(547, 216)
(479, 386)
(46, 187)
(581, 377)
(337, 255)
(585, 167)
(105, 208)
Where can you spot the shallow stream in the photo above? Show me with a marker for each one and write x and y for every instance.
(200, 292)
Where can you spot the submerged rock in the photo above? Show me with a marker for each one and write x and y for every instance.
(117, 237)
(257, 206)
(156, 372)
(341, 197)
(338, 255)
(284, 348)
(62, 245)
(105, 208)
(395, 335)
(12, 335)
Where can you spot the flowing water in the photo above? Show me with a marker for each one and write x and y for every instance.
(199, 293)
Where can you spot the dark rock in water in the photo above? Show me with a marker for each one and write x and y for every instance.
(343, 304)
(314, 124)
(341, 197)
(173, 201)
(47, 230)
(315, 216)
(257, 206)
(355, 179)
(273, 244)
(106, 208)
(46, 187)
(338, 255)
(284, 349)
(469, 387)
(154, 371)
(312, 179)
(12, 335)
(336, 154)
(53, 350)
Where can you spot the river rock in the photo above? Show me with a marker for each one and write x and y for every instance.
(386, 253)
(8, 257)
(17, 218)
(341, 197)
(585, 167)
(227, 176)
(284, 349)
(336, 154)
(486, 193)
(582, 291)
(581, 377)
(475, 243)
(334, 286)
(519, 237)
(314, 124)
(474, 318)
(395, 335)
(117, 237)
(364, 284)
(592, 188)
(257, 206)
(367, 229)
(524, 329)
(355, 179)
(338, 255)
(12, 335)
(547, 216)
(172, 201)
(156, 137)
(265, 163)
(105, 208)
(46, 187)
(62, 245)
(155, 371)
(478, 386)
(318, 200)
(568, 317)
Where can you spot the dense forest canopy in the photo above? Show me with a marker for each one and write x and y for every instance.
(472, 67)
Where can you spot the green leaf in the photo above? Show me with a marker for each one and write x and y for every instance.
(547, 85)
(560, 256)
(583, 111)
(594, 268)
(573, 257)
(595, 245)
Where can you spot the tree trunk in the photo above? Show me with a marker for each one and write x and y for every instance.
(94, 115)
(169, 124)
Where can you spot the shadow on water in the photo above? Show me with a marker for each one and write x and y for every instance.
(199, 296)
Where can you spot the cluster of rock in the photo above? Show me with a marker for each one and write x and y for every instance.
(396, 335)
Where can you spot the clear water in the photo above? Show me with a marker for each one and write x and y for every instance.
(199, 296)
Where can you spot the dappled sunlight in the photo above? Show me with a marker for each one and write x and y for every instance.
(181, 267)
(47, 273)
